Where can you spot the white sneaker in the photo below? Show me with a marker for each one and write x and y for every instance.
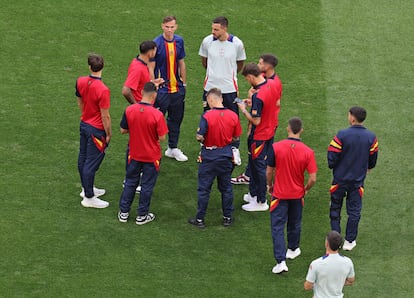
(255, 206)
(98, 192)
(123, 216)
(236, 156)
(142, 220)
(291, 254)
(248, 198)
(176, 153)
(94, 202)
(349, 245)
(280, 267)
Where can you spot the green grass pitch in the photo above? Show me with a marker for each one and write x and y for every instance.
(333, 54)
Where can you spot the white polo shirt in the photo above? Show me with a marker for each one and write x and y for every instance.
(222, 57)
(328, 275)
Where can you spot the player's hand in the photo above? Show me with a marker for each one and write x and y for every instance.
(251, 92)
(158, 82)
(270, 189)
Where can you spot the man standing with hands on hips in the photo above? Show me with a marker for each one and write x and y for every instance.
(169, 65)
(95, 130)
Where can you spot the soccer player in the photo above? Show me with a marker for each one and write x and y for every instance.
(263, 120)
(138, 72)
(139, 75)
(218, 128)
(351, 154)
(146, 127)
(95, 130)
(222, 55)
(287, 162)
(169, 64)
(328, 274)
(267, 64)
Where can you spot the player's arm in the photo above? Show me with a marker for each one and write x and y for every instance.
(151, 68)
(254, 120)
(204, 62)
(334, 152)
(349, 281)
(308, 285)
(200, 138)
(183, 71)
(240, 65)
(162, 138)
(270, 173)
(80, 103)
(373, 155)
(127, 93)
(311, 182)
(124, 124)
(106, 121)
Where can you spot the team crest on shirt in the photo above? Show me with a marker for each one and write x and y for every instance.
(141, 110)
(292, 145)
(221, 52)
(221, 114)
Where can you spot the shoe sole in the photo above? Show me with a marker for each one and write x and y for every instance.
(196, 225)
(171, 156)
(292, 257)
(254, 210)
(280, 272)
(140, 223)
(93, 206)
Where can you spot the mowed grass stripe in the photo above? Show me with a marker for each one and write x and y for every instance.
(368, 62)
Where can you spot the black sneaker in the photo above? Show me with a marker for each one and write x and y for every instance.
(197, 222)
(227, 221)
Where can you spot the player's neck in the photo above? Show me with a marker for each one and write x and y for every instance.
(270, 73)
(331, 252)
(259, 80)
(168, 38)
(147, 101)
(144, 58)
(224, 37)
(96, 74)
(294, 136)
